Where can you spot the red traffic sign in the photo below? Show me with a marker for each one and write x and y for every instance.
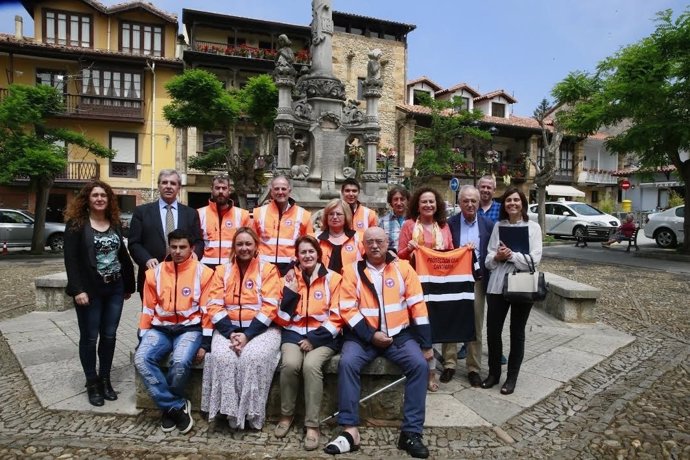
(625, 184)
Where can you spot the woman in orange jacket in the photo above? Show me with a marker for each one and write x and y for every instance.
(245, 349)
(340, 244)
(311, 327)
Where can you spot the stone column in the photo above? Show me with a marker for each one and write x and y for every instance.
(284, 124)
(321, 39)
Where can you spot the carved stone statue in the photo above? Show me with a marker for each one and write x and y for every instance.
(300, 167)
(374, 66)
(349, 172)
(352, 115)
(286, 57)
(321, 21)
(302, 110)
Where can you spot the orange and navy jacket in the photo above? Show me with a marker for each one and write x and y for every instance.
(217, 231)
(364, 218)
(175, 297)
(350, 252)
(248, 303)
(401, 303)
(312, 312)
(278, 232)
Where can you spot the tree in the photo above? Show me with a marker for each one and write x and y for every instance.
(199, 100)
(551, 140)
(449, 121)
(29, 148)
(644, 89)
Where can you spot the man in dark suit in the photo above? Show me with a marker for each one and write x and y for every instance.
(468, 227)
(152, 222)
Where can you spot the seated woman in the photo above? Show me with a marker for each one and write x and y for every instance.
(626, 230)
(243, 301)
(311, 325)
(340, 244)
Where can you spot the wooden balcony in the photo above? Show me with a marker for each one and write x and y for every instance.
(516, 170)
(104, 108)
(249, 52)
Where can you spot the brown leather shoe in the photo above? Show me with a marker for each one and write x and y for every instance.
(447, 375)
(475, 379)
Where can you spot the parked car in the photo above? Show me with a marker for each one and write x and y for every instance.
(17, 228)
(569, 218)
(666, 227)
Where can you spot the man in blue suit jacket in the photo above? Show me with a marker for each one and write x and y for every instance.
(148, 241)
(468, 227)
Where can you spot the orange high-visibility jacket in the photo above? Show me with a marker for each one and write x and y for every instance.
(175, 296)
(364, 218)
(351, 251)
(399, 307)
(217, 231)
(277, 233)
(312, 311)
(246, 303)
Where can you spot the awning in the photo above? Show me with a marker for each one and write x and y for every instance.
(564, 190)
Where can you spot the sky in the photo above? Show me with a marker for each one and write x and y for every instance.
(524, 47)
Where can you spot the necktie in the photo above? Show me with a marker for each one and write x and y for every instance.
(169, 221)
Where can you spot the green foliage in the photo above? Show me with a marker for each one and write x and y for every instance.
(435, 142)
(260, 100)
(607, 205)
(674, 199)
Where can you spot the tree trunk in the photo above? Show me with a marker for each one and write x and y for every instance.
(42, 186)
(684, 173)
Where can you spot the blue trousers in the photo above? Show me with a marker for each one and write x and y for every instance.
(99, 320)
(167, 391)
(408, 356)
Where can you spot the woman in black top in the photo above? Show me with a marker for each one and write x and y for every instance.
(100, 276)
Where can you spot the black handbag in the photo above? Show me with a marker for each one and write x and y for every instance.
(525, 287)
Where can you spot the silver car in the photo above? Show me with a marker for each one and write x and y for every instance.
(569, 218)
(17, 228)
(666, 227)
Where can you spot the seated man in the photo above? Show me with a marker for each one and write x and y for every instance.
(171, 322)
(402, 335)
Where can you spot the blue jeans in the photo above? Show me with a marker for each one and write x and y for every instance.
(167, 391)
(100, 318)
(408, 356)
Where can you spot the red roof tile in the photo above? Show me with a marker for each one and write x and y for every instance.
(493, 94)
(424, 79)
(634, 169)
(513, 120)
(458, 87)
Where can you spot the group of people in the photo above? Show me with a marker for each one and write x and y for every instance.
(245, 294)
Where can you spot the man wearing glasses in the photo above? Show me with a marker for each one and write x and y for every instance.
(381, 301)
(219, 221)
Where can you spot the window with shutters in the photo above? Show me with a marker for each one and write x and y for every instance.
(125, 145)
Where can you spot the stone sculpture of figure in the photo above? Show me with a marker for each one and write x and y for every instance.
(349, 172)
(351, 113)
(286, 56)
(374, 66)
(320, 23)
(300, 168)
(302, 109)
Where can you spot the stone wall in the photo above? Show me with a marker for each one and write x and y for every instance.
(350, 63)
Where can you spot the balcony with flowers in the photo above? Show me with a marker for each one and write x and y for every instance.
(245, 51)
(597, 176)
(492, 164)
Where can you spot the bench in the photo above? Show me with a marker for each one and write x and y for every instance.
(50, 293)
(569, 300)
(592, 233)
(386, 406)
(632, 240)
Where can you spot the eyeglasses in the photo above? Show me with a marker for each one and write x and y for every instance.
(374, 242)
(335, 214)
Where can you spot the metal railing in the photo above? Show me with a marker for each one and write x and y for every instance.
(250, 52)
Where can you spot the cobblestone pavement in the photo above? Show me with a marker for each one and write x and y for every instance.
(634, 404)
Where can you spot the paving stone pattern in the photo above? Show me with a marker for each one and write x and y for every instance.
(633, 404)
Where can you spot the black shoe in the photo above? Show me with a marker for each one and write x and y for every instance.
(509, 386)
(93, 390)
(183, 417)
(107, 389)
(490, 381)
(504, 360)
(167, 422)
(412, 443)
(475, 379)
(447, 375)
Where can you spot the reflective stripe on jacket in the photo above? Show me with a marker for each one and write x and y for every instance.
(175, 296)
(400, 303)
(277, 233)
(246, 303)
(364, 218)
(352, 249)
(217, 232)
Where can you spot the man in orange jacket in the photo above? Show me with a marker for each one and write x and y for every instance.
(381, 301)
(219, 221)
(172, 321)
(362, 217)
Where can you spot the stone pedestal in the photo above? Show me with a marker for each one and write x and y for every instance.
(50, 293)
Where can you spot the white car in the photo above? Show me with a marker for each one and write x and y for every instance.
(569, 218)
(666, 227)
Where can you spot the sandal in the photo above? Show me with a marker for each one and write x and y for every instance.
(341, 445)
(311, 441)
(282, 428)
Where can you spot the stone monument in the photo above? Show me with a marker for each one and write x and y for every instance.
(317, 127)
